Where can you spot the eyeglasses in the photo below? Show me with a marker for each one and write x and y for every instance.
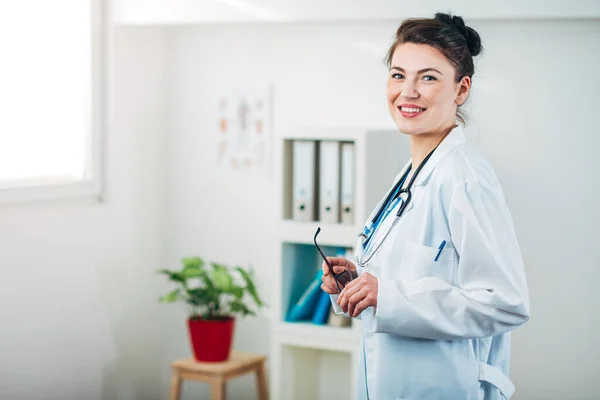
(342, 278)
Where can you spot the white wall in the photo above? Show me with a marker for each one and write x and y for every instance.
(78, 293)
(532, 114)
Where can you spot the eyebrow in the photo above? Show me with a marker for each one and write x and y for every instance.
(420, 71)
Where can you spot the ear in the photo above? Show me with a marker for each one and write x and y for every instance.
(464, 86)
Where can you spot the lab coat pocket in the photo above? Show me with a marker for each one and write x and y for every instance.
(420, 261)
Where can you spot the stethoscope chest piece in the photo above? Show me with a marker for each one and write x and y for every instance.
(405, 196)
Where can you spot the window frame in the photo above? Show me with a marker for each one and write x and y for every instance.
(91, 188)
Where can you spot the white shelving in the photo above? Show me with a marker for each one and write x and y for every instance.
(302, 353)
(312, 336)
(333, 234)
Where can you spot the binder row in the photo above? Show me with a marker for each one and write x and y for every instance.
(323, 181)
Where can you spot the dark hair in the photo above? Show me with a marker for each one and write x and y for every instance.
(447, 33)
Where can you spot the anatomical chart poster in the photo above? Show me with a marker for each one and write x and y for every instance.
(244, 142)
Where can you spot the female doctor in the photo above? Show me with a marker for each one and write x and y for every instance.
(439, 280)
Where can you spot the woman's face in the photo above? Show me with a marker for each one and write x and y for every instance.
(422, 91)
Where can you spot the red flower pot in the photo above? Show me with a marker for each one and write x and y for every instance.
(211, 339)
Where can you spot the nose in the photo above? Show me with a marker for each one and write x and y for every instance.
(409, 90)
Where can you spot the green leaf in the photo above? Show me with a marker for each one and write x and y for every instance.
(174, 276)
(221, 277)
(201, 296)
(170, 297)
(193, 273)
(237, 306)
(237, 291)
(250, 286)
(208, 300)
(192, 267)
(192, 263)
(207, 281)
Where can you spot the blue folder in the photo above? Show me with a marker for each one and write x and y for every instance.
(304, 308)
(321, 314)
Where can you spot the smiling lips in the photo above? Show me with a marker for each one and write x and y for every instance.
(410, 110)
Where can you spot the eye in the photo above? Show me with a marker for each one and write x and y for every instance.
(397, 76)
(429, 78)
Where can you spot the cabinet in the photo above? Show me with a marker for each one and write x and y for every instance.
(310, 361)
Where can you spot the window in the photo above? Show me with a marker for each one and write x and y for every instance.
(51, 84)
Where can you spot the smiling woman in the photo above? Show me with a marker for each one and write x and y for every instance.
(438, 259)
(433, 58)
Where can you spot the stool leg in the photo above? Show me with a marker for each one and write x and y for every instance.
(261, 382)
(175, 387)
(219, 391)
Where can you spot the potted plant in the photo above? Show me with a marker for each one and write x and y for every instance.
(215, 294)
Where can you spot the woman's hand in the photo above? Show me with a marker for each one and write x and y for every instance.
(359, 294)
(339, 264)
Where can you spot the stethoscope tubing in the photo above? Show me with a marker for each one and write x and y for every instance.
(395, 193)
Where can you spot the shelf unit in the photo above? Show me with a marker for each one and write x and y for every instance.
(309, 361)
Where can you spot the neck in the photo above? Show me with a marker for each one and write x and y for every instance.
(423, 144)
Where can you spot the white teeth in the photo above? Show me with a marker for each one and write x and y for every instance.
(412, 110)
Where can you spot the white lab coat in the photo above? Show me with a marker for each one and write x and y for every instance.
(441, 328)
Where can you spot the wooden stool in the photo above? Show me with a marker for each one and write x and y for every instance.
(217, 374)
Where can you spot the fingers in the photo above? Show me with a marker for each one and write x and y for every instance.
(354, 300)
(342, 262)
(359, 308)
(325, 269)
(328, 284)
(352, 283)
(328, 289)
(336, 260)
(358, 295)
(350, 290)
(339, 264)
(338, 269)
(347, 264)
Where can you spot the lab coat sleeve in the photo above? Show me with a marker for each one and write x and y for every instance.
(489, 293)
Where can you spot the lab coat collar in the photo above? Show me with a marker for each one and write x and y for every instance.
(455, 138)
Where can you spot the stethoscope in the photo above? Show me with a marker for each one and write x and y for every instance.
(397, 194)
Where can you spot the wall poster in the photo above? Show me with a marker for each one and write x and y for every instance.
(244, 144)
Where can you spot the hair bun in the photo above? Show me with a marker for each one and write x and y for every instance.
(458, 24)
